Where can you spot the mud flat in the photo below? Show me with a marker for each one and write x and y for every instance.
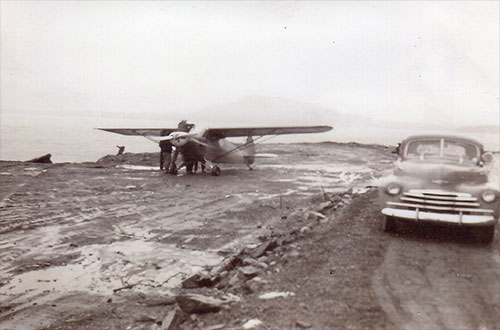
(110, 244)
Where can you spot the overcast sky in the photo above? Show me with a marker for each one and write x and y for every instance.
(418, 61)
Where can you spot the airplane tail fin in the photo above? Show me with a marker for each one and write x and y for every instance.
(249, 151)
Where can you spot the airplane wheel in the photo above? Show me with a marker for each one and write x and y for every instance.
(215, 171)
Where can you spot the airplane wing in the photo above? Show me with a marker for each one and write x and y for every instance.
(220, 133)
(140, 131)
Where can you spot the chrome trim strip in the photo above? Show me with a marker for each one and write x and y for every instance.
(440, 208)
(440, 192)
(440, 197)
(467, 219)
(440, 202)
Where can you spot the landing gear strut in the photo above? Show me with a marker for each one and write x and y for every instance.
(215, 171)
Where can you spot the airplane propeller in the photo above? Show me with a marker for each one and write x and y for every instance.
(178, 139)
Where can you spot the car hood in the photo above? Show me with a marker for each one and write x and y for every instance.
(442, 173)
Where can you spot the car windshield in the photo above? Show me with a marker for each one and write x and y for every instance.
(442, 149)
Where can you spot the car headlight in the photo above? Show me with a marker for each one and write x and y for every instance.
(393, 189)
(489, 196)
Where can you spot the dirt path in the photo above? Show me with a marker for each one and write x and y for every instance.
(426, 282)
(349, 274)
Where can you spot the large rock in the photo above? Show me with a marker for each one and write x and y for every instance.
(145, 319)
(196, 281)
(172, 320)
(204, 279)
(249, 272)
(198, 304)
(303, 325)
(42, 159)
(254, 262)
(288, 238)
(261, 249)
(298, 215)
(313, 216)
(325, 206)
(216, 327)
(159, 301)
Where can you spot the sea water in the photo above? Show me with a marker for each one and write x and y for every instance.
(67, 139)
(76, 139)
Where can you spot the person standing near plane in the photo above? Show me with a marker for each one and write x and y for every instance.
(165, 154)
(195, 167)
(182, 126)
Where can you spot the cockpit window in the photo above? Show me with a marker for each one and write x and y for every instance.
(454, 151)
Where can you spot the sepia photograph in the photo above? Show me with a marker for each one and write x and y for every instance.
(249, 165)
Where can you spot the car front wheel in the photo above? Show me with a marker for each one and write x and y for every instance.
(389, 224)
(485, 234)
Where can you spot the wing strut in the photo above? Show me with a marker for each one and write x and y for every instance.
(150, 139)
(246, 144)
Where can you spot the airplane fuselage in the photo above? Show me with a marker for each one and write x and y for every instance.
(194, 147)
(224, 151)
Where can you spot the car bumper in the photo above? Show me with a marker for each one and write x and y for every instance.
(445, 218)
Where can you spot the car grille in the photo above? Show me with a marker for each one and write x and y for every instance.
(437, 201)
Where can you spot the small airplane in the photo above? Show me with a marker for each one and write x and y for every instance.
(209, 146)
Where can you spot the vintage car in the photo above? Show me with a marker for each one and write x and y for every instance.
(442, 179)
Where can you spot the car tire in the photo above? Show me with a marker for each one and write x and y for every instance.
(390, 224)
(484, 235)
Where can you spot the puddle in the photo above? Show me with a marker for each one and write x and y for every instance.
(328, 178)
(272, 196)
(55, 279)
(104, 268)
(48, 236)
(264, 155)
(322, 168)
(360, 191)
(45, 236)
(284, 180)
(138, 167)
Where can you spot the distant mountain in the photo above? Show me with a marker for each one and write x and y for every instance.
(480, 129)
(264, 110)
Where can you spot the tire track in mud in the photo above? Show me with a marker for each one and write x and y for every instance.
(439, 285)
(10, 217)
